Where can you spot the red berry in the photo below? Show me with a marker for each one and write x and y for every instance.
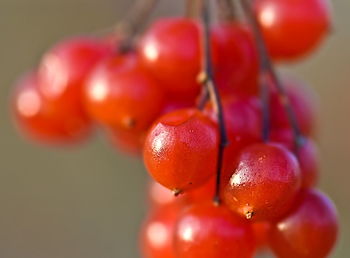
(171, 51)
(264, 183)
(309, 231)
(261, 232)
(237, 58)
(157, 234)
(293, 28)
(308, 160)
(47, 121)
(303, 102)
(122, 95)
(172, 47)
(181, 150)
(206, 230)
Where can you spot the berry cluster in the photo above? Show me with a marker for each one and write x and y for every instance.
(226, 140)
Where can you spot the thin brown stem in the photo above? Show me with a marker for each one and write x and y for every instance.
(193, 8)
(209, 83)
(226, 10)
(134, 21)
(267, 70)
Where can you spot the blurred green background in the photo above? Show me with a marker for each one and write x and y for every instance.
(88, 202)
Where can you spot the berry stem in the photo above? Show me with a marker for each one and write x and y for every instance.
(134, 21)
(209, 83)
(192, 8)
(267, 72)
(226, 10)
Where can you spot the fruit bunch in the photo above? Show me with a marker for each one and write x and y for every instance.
(228, 142)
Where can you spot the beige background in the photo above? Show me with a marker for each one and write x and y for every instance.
(88, 202)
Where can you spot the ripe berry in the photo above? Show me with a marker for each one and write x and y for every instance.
(237, 58)
(128, 142)
(264, 183)
(206, 230)
(293, 28)
(171, 51)
(303, 102)
(47, 121)
(157, 234)
(122, 95)
(172, 47)
(242, 116)
(261, 232)
(309, 231)
(180, 151)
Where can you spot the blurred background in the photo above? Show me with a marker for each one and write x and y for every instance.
(88, 202)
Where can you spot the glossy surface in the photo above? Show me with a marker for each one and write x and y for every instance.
(293, 28)
(206, 230)
(157, 234)
(310, 231)
(46, 121)
(181, 150)
(121, 94)
(170, 49)
(264, 183)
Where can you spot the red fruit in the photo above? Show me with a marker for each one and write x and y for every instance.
(308, 160)
(159, 195)
(180, 151)
(307, 155)
(171, 51)
(237, 58)
(303, 103)
(264, 183)
(243, 124)
(206, 230)
(203, 193)
(122, 95)
(157, 234)
(261, 232)
(45, 120)
(309, 231)
(172, 47)
(293, 28)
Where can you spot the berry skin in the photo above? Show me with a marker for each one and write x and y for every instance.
(121, 95)
(206, 230)
(157, 234)
(293, 28)
(46, 121)
(128, 142)
(180, 150)
(309, 231)
(261, 232)
(303, 102)
(264, 183)
(242, 116)
(237, 58)
(171, 51)
(172, 47)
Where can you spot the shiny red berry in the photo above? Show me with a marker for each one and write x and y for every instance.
(264, 183)
(122, 95)
(293, 28)
(309, 231)
(157, 234)
(180, 151)
(47, 121)
(206, 230)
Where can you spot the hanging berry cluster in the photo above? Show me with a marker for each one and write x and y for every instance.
(227, 140)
